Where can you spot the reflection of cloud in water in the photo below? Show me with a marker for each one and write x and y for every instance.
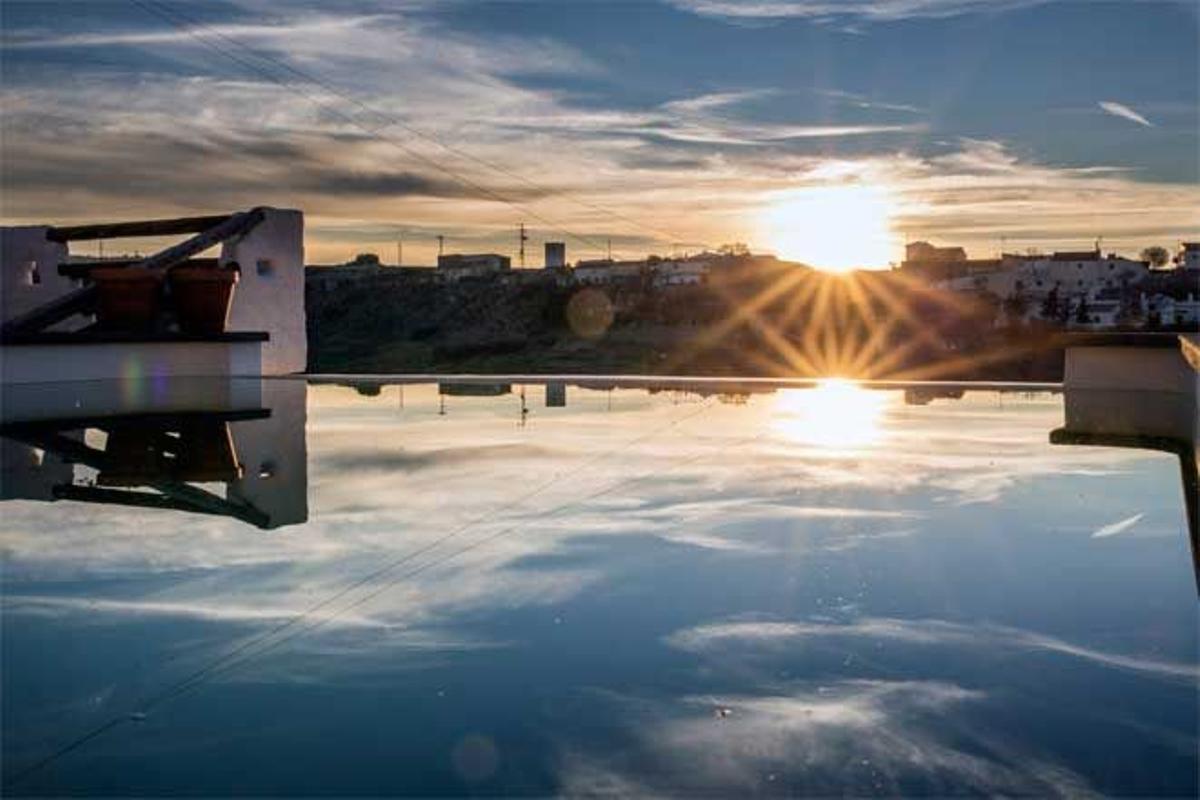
(778, 635)
(384, 483)
(845, 738)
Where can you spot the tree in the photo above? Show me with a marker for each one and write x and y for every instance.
(734, 249)
(1157, 256)
(1050, 305)
(1082, 312)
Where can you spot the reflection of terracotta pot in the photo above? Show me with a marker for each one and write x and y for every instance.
(132, 456)
(202, 298)
(127, 298)
(206, 453)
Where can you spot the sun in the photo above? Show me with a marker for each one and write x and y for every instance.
(833, 228)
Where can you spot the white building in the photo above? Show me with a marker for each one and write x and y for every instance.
(1188, 256)
(556, 254)
(458, 266)
(1073, 274)
(603, 271)
(1166, 310)
(681, 272)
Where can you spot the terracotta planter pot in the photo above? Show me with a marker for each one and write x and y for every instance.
(128, 299)
(202, 298)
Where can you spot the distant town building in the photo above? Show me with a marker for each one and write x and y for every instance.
(1071, 274)
(681, 272)
(605, 271)
(556, 254)
(1188, 256)
(1164, 310)
(458, 265)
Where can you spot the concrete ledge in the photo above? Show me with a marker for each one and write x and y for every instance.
(115, 337)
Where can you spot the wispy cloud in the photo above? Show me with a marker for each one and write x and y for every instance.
(871, 10)
(1125, 112)
(1117, 527)
(921, 632)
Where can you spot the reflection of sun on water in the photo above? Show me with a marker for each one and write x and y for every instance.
(836, 414)
(834, 228)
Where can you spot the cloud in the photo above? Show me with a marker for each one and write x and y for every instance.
(868, 10)
(856, 737)
(1125, 112)
(1117, 527)
(861, 101)
(919, 632)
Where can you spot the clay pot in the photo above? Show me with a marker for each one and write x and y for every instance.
(202, 296)
(128, 299)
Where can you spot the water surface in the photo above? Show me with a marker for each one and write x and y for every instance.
(563, 589)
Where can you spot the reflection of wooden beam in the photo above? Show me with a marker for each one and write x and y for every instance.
(1189, 469)
(196, 501)
(120, 230)
(172, 494)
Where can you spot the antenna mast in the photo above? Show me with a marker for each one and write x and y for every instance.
(521, 240)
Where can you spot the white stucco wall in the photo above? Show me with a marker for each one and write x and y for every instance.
(1151, 369)
(22, 251)
(270, 293)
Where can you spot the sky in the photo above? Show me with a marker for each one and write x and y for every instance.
(830, 133)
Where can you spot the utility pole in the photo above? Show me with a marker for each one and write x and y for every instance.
(521, 240)
(441, 245)
(610, 249)
(399, 251)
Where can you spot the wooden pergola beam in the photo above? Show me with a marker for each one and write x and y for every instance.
(120, 230)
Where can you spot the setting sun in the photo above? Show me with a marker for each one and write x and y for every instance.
(834, 228)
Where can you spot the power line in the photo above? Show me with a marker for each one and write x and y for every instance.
(376, 132)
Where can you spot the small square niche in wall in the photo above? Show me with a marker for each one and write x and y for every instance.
(264, 267)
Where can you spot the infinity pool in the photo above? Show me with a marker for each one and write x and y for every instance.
(536, 589)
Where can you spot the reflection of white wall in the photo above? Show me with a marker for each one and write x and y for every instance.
(270, 294)
(27, 402)
(274, 455)
(30, 474)
(29, 270)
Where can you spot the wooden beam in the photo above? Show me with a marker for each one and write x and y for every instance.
(151, 227)
(227, 229)
(76, 302)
